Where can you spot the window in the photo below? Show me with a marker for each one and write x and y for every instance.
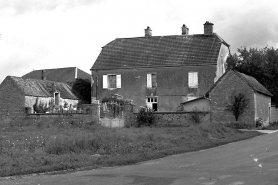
(151, 102)
(111, 81)
(193, 79)
(151, 80)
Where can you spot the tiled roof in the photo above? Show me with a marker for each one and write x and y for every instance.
(177, 50)
(58, 75)
(251, 81)
(43, 88)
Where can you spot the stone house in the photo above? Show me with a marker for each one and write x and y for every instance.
(66, 75)
(17, 95)
(232, 83)
(160, 71)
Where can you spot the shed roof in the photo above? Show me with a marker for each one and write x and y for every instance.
(43, 88)
(160, 51)
(68, 74)
(251, 81)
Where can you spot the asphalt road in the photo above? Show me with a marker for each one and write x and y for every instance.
(249, 162)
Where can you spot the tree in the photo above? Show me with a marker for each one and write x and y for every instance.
(82, 88)
(262, 64)
(237, 104)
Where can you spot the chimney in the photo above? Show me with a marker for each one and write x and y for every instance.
(208, 28)
(43, 75)
(184, 30)
(148, 32)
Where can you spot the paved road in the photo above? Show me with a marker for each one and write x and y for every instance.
(249, 162)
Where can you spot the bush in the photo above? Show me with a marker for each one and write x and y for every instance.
(145, 117)
(238, 125)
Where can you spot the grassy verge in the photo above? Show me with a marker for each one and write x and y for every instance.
(38, 146)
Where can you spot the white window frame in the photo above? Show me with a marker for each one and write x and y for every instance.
(193, 80)
(106, 81)
(150, 100)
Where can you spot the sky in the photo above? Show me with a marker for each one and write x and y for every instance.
(45, 34)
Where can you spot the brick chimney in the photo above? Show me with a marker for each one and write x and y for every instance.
(148, 32)
(208, 28)
(184, 30)
(43, 75)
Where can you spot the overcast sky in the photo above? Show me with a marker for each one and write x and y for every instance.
(44, 34)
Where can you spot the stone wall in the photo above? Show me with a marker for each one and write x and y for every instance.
(90, 113)
(172, 118)
(220, 95)
(30, 101)
(180, 117)
(66, 117)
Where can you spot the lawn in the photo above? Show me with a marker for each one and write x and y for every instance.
(30, 146)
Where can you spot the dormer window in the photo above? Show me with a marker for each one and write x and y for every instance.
(57, 98)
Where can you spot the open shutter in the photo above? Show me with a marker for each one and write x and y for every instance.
(196, 79)
(190, 79)
(149, 80)
(105, 81)
(193, 79)
(119, 84)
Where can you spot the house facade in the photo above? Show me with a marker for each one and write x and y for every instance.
(231, 84)
(18, 94)
(160, 71)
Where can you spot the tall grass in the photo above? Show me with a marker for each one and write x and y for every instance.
(39, 145)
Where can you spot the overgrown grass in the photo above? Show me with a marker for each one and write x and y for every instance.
(29, 146)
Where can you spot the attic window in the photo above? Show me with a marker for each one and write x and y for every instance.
(193, 79)
(111, 81)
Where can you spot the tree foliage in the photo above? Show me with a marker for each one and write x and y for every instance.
(262, 64)
(238, 103)
(82, 87)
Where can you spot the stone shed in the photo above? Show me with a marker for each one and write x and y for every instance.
(18, 95)
(231, 84)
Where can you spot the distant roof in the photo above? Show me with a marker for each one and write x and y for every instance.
(176, 50)
(251, 81)
(43, 88)
(68, 74)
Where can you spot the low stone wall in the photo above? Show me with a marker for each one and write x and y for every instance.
(66, 117)
(172, 118)
(181, 117)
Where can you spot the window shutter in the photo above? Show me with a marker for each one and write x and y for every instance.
(190, 80)
(119, 84)
(196, 79)
(149, 80)
(105, 80)
(193, 79)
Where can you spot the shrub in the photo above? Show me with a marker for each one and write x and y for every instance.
(145, 117)
(237, 104)
(238, 125)
(196, 115)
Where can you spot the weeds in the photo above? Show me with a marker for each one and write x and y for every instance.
(77, 144)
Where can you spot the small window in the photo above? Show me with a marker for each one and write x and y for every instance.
(193, 79)
(111, 81)
(151, 80)
(151, 103)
